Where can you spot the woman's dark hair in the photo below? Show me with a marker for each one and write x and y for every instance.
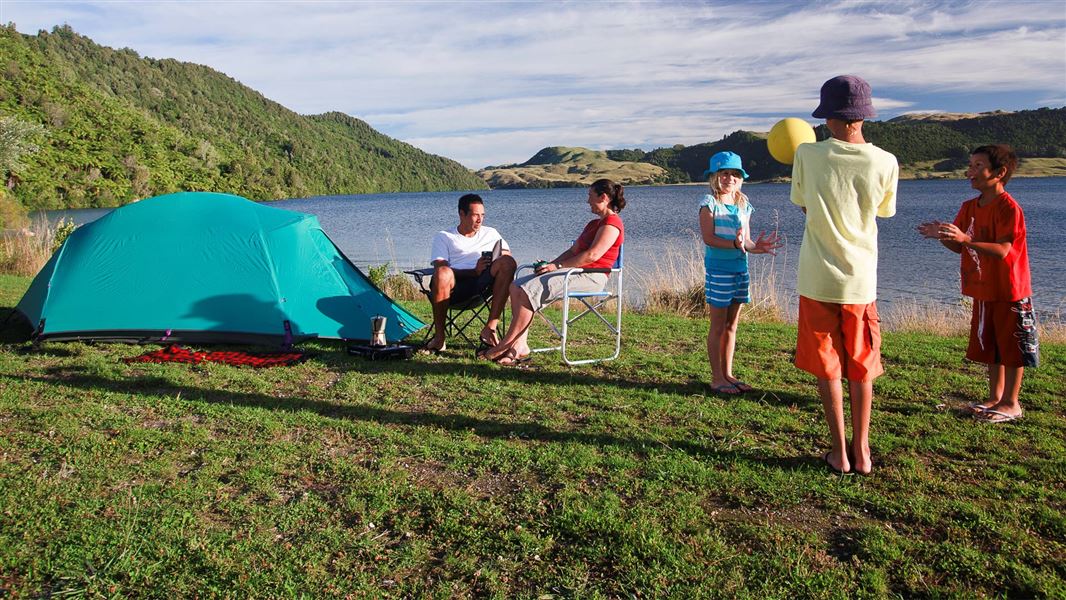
(614, 191)
(999, 156)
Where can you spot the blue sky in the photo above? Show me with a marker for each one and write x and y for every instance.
(493, 82)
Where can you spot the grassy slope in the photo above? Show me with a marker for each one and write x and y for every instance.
(449, 477)
(563, 166)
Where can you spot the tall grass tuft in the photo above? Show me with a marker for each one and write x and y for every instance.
(397, 286)
(916, 316)
(25, 251)
(675, 285)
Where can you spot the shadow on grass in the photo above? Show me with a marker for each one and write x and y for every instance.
(548, 370)
(486, 428)
(14, 329)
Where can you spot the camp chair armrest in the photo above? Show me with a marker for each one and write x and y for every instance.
(420, 276)
(578, 271)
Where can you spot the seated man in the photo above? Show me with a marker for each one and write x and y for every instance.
(463, 267)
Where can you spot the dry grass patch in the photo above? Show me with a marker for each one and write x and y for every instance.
(675, 286)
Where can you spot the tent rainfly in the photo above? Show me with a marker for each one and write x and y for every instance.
(205, 268)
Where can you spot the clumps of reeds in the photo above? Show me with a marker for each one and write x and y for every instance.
(916, 316)
(25, 251)
(674, 285)
(397, 286)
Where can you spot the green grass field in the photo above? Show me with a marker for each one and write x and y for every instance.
(448, 477)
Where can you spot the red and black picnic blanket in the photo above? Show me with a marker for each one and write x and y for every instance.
(175, 353)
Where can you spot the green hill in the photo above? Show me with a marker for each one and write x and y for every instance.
(560, 166)
(933, 145)
(119, 127)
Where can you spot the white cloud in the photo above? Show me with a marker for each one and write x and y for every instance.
(490, 83)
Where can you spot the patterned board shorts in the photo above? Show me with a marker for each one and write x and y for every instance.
(722, 288)
(1004, 333)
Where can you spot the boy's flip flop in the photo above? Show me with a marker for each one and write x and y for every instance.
(994, 416)
(726, 389)
(829, 465)
(743, 387)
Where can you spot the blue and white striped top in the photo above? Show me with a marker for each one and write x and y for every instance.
(728, 218)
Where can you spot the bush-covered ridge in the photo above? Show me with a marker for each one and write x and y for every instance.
(926, 146)
(120, 127)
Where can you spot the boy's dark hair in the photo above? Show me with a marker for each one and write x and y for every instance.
(466, 200)
(999, 156)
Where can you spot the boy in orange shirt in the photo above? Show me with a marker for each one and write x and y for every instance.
(989, 233)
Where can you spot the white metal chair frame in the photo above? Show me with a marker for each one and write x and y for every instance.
(593, 301)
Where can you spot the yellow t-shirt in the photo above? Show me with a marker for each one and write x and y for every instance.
(843, 186)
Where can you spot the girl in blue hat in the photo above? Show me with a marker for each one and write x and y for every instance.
(724, 225)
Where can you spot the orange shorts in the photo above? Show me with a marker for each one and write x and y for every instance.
(839, 341)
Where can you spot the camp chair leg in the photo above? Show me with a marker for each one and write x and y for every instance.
(562, 330)
(615, 329)
(460, 317)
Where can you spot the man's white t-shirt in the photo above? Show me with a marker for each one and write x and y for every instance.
(463, 252)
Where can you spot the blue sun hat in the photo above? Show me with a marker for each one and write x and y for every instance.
(725, 160)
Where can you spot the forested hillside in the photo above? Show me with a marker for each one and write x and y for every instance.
(115, 127)
(946, 140)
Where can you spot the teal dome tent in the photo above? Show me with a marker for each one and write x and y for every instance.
(208, 268)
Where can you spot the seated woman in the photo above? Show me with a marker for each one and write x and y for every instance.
(596, 248)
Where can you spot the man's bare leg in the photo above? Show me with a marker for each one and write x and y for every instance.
(440, 288)
(503, 270)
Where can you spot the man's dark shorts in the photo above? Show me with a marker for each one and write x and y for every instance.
(467, 287)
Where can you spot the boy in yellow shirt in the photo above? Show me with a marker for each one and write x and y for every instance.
(842, 184)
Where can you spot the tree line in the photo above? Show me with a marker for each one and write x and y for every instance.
(1032, 133)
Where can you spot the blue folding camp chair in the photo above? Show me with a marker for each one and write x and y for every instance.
(593, 303)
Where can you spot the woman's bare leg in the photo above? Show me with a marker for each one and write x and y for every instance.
(521, 319)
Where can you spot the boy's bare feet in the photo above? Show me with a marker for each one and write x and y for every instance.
(862, 464)
(837, 462)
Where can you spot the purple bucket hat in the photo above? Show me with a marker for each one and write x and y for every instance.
(845, 97)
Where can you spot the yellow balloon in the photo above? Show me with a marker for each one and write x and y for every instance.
(786, 135)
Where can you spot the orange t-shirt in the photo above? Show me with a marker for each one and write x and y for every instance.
(986, 277)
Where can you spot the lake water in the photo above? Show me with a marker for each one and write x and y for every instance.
(373, 229)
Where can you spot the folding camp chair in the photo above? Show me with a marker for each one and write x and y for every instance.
(593, 303)
(461, 315)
